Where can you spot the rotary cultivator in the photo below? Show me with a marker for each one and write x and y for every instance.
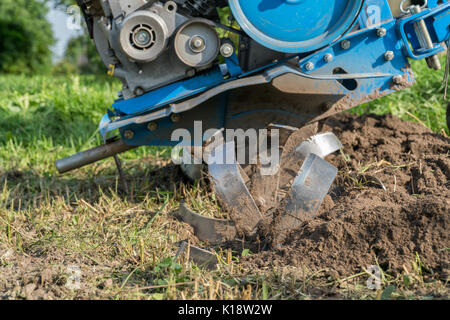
(241, 88)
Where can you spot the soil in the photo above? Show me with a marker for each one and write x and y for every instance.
(390, 203)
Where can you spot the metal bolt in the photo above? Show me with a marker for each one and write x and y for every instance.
(328, 57)
(381, 32)
(389, 55)
(139, 91)
(152, 126)
(175, 117)
(197, 44)
(345, 44)
(309, 66)
(128, 134)
(190, 72)
(226, 50)
(398, 79)
(143, 38)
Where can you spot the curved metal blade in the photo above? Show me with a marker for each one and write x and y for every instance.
(231, 189)
(310, 187)
(207, 229)
(203, 258)
(322, 144)
(265, 188)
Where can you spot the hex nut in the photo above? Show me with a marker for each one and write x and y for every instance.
(226, 50)
(398, 79)
(309, 66)
(345, 44)
(389, 56)
(328, 57)
(152, 126)
(128, 134)
(381, 32)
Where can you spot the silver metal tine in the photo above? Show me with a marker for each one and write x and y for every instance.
(231, 189)
(308, 191)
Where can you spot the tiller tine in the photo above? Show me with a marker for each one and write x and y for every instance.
(306, 196)
(201, 257)
(207, 229)
(322, 145)
(229, 185)
(264, 188)
(304, 177)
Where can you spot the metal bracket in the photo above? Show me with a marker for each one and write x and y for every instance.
(430, 49)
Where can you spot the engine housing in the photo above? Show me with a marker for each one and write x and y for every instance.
(149, 44)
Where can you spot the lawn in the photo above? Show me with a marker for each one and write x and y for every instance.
(124, 245)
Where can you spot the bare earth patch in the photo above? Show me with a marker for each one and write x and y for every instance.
(390, 203)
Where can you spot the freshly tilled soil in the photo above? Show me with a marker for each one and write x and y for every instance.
(389, 205)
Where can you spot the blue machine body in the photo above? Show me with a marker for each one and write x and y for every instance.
(275, 23)
(364, 65)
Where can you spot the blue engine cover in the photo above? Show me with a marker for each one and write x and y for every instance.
(295, 26)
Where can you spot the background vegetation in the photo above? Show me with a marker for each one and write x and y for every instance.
(26, 37)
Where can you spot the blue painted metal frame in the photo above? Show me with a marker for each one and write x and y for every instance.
(168, 94)
(179, 90)
(365, 55)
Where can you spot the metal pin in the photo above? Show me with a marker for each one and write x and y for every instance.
(121, 175)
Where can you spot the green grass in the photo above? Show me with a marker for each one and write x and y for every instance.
(45, 118)
(124, 244)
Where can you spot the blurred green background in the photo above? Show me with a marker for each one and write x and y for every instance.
(36, 39)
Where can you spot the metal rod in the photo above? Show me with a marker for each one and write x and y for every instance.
(93, 155)
(425, 39)
(121, 175)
